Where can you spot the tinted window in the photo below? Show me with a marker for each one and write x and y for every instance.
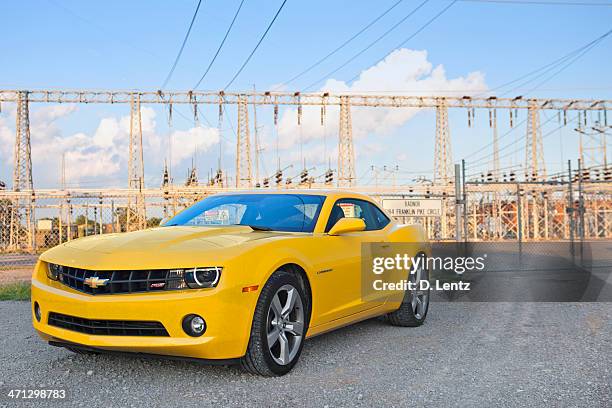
(277, 212)
(381, 219)
(352, 208)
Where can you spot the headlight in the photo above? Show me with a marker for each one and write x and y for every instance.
(202, 277)
(53, 271)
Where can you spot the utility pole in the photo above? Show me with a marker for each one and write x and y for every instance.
(458, 202)
(22, 236)
(443, 156)
(346, 151)
(256, 135)
(244, 176)
(136, 212)
(535, 169)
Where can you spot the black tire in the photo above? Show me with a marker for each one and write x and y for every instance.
(258, 358)
(405, 316)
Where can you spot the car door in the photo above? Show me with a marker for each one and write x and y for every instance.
(339, 263)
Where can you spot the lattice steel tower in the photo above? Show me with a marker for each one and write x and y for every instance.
(346, 152)
(443, 156)
(535, 169)
(136, 212)
(244, 173)
(22, 213)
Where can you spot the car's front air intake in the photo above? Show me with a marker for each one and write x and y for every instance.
(111, 282)
(107, 327)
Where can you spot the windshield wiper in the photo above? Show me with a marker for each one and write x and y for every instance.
(259, 228)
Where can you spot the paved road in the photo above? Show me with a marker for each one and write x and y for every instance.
(467, 354)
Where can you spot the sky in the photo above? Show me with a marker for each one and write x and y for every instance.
(474, 46)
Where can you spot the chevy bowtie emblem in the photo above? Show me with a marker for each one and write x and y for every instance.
(95, 282)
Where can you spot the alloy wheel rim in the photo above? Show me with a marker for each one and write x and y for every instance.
(419, 297)
(285, 329)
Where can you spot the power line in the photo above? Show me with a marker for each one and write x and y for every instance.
(424, 26)
(543, 70)
(257, 46)
(369, 45)
(182, 46)
(477, 162)
(345, 43)
(220, 46)
(499, 138)
(401, 44)
(576, 58)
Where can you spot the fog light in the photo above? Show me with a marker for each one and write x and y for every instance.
(194, 325)
(37, 313)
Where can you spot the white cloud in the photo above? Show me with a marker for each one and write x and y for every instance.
(403, 71)
(185, 142)
(101, 155)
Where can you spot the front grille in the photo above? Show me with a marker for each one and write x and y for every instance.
(107, 327)
(111, 282)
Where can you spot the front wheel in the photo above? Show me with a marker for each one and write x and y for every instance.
(279, 326)
(414, 307)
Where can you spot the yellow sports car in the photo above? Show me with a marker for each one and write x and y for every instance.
(236, 278)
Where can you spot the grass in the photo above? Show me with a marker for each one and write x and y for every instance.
(15, 291)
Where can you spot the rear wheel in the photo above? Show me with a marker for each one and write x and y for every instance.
(414, 307)
(279, 326)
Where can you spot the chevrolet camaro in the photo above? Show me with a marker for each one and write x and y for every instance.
(240, 277)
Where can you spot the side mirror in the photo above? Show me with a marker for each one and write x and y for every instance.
(345, 225)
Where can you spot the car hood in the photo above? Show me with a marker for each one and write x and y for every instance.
(163, 247)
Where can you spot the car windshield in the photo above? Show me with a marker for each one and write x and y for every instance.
(267, 212)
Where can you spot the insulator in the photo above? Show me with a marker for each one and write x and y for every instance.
(606, 118)
(322, 115)
(585, 118)
(511, 119)
(469, 118)
(275, 115)
(299, 114)
(490, 118)
(195, 113)
(170, 114)
(564, 117)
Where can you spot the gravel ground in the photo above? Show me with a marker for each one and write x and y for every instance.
(466, 354)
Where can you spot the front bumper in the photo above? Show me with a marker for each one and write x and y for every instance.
(228, 314)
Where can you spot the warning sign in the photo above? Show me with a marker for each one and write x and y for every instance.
(413, 207)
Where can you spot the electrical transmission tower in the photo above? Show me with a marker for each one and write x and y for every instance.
(244, 173)
(443, 155)
(495, 146)
(346, 152)
(22, 236)
(136, 213)
(535, 169)
(593, 147)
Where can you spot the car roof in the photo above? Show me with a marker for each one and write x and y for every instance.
(310, 191)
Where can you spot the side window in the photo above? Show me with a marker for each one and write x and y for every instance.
(352, 208)
(380, 217)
